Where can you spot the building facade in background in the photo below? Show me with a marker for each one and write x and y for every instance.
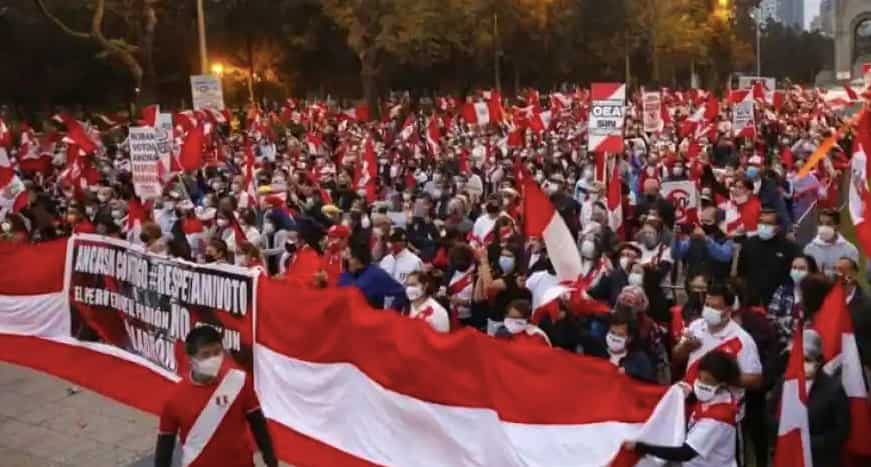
(852, 34)
(791, 13)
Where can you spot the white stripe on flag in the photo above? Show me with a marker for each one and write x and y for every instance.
(45, 315)
(562, 249)
(210, 418)
(339, 405)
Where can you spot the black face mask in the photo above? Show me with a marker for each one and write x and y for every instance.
(210, 259)
(290, 248)
(710, 229)
(144, 238)
(492, 208)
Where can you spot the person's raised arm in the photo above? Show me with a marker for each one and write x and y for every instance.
(257, 422)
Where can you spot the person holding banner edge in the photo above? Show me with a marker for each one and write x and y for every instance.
(225, 399)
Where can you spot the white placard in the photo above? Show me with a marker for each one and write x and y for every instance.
(207, 92)
(144, 159)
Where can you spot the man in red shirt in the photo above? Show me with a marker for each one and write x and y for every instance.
(209, 410)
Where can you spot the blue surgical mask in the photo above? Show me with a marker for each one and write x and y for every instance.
(766, 231)
(506, 264)
(752, 172)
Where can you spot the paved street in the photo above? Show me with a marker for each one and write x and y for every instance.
(45, 423)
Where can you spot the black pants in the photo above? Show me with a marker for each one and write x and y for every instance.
(754, 427)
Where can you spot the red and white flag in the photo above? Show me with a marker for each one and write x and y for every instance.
(408, 132)
(5, 135)
(367, 171)
(13, 194)
(434, 136)
(859, 195)
(793, 433)
(543, 221)
(835, 326)
(483, 113)
(540, 122)
(615, 203)
(76, 134)
(357, 114)
(399, 415)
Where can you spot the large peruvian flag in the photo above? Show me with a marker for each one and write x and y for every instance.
(336, 385)
(482, 113)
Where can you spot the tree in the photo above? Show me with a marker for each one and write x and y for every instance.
(139, 20)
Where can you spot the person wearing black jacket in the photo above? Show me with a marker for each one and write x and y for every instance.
(828, 408)
(619, 346)
(766, 258)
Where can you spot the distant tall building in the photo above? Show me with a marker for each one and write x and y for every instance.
(791, 13)
(769, 10)
(827, 18)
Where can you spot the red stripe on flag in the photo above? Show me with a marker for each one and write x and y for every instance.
(44, 272)
(337, 326)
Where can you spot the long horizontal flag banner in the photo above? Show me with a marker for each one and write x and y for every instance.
(341, 383)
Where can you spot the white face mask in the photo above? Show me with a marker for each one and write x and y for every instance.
(506, 264)
(624, 262)
(588, 249)
(704, 392)
(413, 292)
(208, 367)
(223, 222)
(826, 233)
(637, 279)
(103, 198)
(712, 316)
(765, 231)
(616, 344)
(797, 275)
(268, 228)
(514, 325)
(169, 205)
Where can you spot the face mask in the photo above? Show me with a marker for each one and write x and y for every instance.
(209, 258)
(810, 370)
(797, 275)
(753, 172)
(506, 264)
(242, 260)
(677, 171)
(636, 279)
(712, 316)
(766, 231)
(741, 199)
(709, 229)
(223, 223)
(236, 187)
(826, 233)
(492, 208)
(624, 262)
(103, 198)
(437, 194)
(169, 205)
(116, 214)
(514, 325)
(413, 292)
(90, 211)
(616, 344)
(268, 227)
(704, 392)
(588, 249)
(208, 367)
(290, 247)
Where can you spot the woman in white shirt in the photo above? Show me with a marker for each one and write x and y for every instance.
(419, 288)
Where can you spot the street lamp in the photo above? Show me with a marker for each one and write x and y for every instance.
(218, 69)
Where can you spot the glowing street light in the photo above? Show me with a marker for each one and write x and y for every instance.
(218, 69)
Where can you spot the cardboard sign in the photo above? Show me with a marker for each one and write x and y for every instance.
(207, 92)
(743, 120)
(684, 198)
(607, 116)
(652, 109)
(164, 139)
(144, 160)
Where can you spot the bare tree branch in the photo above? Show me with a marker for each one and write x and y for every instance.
(60, 24)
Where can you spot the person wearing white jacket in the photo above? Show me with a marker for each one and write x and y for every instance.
(829, 245)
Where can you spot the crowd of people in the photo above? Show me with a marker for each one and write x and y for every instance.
(438, 234)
